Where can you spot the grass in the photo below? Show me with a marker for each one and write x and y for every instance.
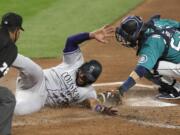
(47, 23)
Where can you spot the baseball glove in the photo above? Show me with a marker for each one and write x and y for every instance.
(111, 98)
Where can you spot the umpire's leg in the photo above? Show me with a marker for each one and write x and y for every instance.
(7, 105)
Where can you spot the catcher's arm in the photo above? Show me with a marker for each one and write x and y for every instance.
(135, 75)
(95, 105)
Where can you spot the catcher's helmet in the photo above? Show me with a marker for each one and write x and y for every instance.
(89, 72)
(129, 30)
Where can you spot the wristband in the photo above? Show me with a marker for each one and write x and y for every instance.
(99, 108)
(130, 82)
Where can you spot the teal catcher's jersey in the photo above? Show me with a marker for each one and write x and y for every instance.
(153, 48)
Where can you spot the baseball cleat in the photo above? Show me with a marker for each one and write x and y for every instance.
(167, 96)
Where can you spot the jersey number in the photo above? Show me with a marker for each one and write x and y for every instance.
(176, 47)
(4, 69)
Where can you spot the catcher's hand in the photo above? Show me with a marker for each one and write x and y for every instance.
(110, 98)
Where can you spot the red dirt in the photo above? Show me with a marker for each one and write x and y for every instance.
(117, 64)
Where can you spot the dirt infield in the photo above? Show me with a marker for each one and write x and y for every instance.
(140, 113)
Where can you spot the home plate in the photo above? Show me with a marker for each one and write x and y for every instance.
(147, 101)
(145, 96)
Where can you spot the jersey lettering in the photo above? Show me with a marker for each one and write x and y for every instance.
(176, 47)
(4, 69)
(64, 95)
(71, 86)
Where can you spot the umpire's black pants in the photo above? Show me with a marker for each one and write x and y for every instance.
(7, 105)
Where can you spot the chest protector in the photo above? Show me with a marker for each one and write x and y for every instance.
(165, 32)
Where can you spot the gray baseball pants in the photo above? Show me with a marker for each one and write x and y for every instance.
(7, 105)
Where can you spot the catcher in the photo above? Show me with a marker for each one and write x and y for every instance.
(157, 42)
(68, 83)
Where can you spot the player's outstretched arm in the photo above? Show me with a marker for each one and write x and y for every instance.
(103, 33)
(100, 35)
(95, 105)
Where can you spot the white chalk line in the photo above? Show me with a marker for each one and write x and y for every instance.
(119, 83)
(147, 102)
(158, 104)
(137, 101)
(146, 123)
(45, 121)
(155, 124)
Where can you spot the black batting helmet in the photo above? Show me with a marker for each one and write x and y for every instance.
(91, 71)
(129, 30)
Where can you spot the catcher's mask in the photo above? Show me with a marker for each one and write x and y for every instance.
(88, 73)
(129, 30)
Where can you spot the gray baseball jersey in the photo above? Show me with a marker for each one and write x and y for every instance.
(61, 81)
(55, 86)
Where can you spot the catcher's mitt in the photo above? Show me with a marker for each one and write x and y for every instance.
(110, 98)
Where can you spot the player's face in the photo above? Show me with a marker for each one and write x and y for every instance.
(125, 43)
(16, 35)
(81, 79)
(121, 39)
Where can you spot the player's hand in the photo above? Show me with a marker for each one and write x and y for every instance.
(120, 91)
(106, 110)
(110, 111)
(103, 33)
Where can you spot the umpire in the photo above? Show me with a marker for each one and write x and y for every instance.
(10, 27)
